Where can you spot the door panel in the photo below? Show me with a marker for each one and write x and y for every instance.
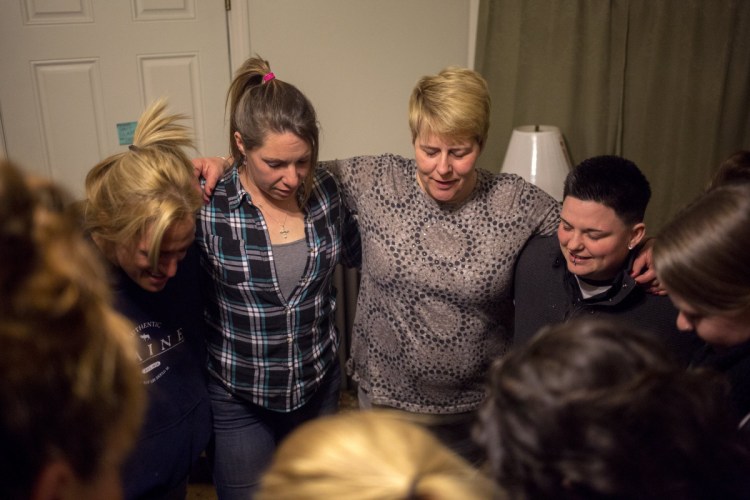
(72, 70)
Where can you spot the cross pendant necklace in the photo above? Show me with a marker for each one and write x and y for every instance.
(284, 231)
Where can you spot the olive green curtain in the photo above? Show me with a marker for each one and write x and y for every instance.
(665, 83)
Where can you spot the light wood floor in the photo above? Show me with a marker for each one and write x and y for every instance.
(201, 492)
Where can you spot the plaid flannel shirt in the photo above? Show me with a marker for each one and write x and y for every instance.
(265, 348)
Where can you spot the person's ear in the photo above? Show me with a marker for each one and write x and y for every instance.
(637, 233)
(238, 142)
(56, 481)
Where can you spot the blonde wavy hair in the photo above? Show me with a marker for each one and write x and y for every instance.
(454, 103)
(369, 455)
(146, 188)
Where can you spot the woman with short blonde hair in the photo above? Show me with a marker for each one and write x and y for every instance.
(454, 103)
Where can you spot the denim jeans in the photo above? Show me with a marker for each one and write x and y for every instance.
(246, 435)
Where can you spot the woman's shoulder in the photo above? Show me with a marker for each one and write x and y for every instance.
(325, 191)
(368, 163)
(501, 180)
(227, 179)
(225, 194)
(512, 188)
(360, 174)
(324, 183)
(501, 187)
(323, 176)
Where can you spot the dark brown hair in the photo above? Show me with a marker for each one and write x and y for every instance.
(597, 410)
(702, 253)
(260, 104)
(734, 170)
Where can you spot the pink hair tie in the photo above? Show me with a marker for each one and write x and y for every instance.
(268, 77)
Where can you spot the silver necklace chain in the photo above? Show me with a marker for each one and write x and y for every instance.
(284, 232)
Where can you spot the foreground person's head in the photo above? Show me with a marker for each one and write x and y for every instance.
(369, 455)
(701, 259)
(596, 410)
(70, 388)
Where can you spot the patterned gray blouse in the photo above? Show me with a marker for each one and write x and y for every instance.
(435, 304)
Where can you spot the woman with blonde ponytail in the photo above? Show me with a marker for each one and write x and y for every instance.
(140, 212)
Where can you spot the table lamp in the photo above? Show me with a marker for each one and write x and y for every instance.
(538, 154)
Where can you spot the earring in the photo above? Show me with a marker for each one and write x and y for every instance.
(630, 246)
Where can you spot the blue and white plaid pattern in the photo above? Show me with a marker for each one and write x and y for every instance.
(265, 348)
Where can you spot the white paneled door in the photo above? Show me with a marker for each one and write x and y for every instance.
(75, 75)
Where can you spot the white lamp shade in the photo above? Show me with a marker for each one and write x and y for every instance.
(538, 154)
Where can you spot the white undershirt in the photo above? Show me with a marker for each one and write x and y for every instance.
(588, 290)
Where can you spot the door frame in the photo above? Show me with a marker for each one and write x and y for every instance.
(238, 27)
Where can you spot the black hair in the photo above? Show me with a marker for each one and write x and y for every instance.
(612, 181)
